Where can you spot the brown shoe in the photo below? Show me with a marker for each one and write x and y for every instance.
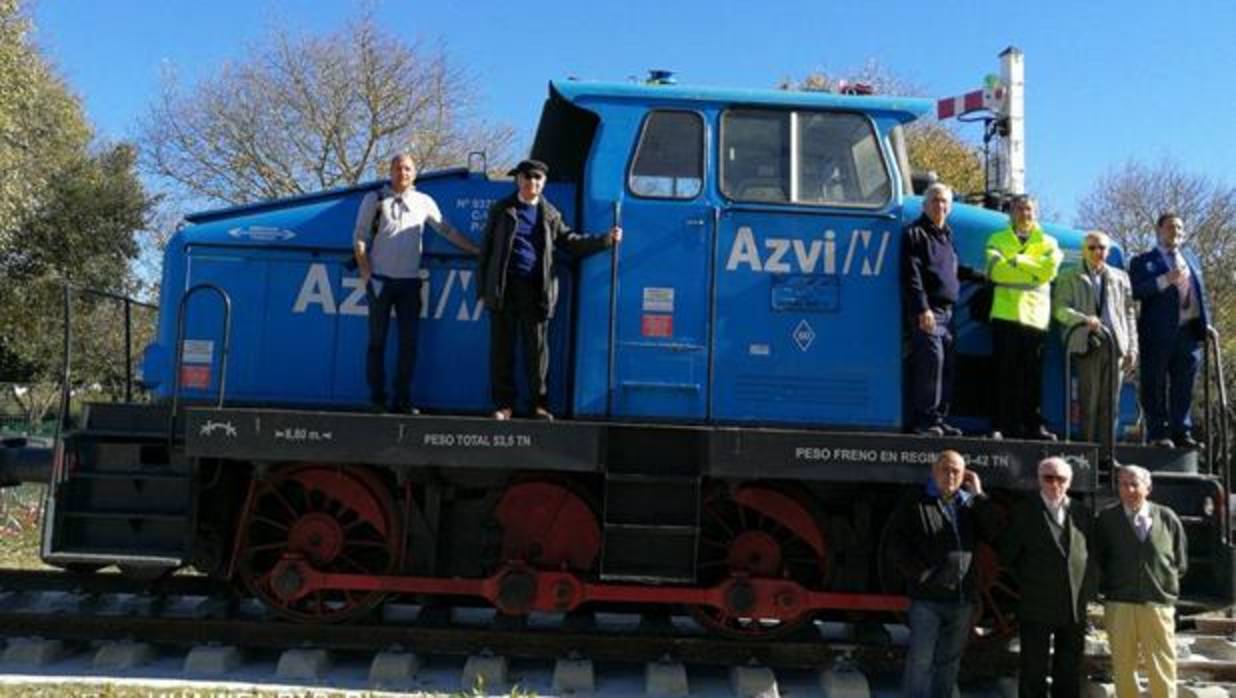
(542, 413)
(502, 414)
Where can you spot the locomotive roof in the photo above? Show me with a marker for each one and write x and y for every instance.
(903, 108)
(307, 200)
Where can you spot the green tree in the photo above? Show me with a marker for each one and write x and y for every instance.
(301, 113)
(69, 211)
(41, 124)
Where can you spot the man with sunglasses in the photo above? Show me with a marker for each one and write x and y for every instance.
(1046, 548)
(1097, 296)
(518, 286)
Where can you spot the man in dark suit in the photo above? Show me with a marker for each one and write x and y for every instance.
(1168, 282)
(1046, 548)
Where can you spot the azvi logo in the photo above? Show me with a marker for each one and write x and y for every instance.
(863, 252)
(447, 295)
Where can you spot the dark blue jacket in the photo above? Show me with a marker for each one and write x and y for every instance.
(930, 272)
(934, 559)
(1160, 316)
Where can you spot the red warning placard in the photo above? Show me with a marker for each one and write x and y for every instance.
(195, 376)
(657, 325)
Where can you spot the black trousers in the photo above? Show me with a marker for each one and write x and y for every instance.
(1065, 663)
(1169, 371)
(930, 379)
(523, 318)
(404, 297)
(1018, 354)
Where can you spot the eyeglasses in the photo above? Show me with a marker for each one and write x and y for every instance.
(1096, 247)
(1054, 478)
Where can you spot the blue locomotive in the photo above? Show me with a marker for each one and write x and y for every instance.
(732, 374)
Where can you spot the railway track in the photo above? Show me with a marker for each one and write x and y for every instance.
(49, 618)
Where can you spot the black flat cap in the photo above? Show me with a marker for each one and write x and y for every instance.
(526, 167)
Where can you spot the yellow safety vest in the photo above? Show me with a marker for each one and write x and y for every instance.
(1022, 274)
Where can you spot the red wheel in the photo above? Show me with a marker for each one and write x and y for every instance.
(549, 527)
(759, 533)
(337, 519)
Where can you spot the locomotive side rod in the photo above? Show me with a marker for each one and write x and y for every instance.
(518, 590)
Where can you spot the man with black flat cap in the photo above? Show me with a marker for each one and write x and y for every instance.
(518, 287)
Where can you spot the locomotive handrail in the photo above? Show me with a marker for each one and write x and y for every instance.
(478, 156)
(66, 359)
(1105, 335)
(180, 350)
(1107, 445)
(1220, 457)
(613, 313)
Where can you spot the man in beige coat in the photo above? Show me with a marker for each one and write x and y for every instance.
(1097, 295)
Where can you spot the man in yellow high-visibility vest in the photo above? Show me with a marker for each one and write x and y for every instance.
(1022, 261)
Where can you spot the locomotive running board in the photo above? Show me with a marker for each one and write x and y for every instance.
(889, 458)
(343, 437)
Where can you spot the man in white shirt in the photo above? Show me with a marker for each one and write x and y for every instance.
(387, 242)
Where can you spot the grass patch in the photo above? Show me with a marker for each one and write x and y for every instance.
(20, 510)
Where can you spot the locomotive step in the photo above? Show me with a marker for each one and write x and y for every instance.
(152, 475)
(663, 529)
(125, 515)
(119, 556)
(640, 478)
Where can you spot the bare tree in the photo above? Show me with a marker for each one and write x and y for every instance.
(301, 113)
(1126, 200)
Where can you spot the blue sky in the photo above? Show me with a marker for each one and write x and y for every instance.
(1105, 81)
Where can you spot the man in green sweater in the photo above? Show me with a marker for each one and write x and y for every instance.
(1142, 554)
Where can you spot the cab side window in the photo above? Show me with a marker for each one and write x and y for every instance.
(840, 161)
(669, 160)
(755, 155)
(833, 159)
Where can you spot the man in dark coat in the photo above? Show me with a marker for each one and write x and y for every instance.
(934, 535)
(517, 283)
(1046, 547)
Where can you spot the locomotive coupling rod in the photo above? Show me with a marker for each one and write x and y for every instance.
(521, 589)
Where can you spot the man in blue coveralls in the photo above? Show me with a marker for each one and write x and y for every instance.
(930, 280)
